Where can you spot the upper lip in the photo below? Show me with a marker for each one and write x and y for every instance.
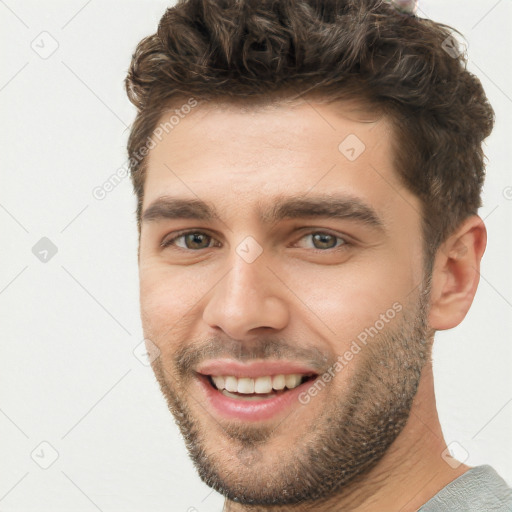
(254, 369)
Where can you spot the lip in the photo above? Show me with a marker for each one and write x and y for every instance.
(254, 369)
(251, 410)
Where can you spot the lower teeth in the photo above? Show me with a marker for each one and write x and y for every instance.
(254, 396)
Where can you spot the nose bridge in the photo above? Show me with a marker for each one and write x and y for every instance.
(247, 297)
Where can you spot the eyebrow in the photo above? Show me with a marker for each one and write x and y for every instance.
(337, 207)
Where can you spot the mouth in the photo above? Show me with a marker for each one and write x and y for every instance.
(254, 392)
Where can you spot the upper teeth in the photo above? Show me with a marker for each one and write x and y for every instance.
(258, 385)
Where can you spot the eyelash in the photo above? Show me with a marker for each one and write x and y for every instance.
(168, 243)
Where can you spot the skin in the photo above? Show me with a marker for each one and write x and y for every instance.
(312, 299)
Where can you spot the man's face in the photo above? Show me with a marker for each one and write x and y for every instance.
(277, 290)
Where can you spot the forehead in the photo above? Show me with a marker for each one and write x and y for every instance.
(232, 154)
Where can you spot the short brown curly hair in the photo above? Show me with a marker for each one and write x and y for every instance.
(408, 68)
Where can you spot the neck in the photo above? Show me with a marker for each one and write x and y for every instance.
(407, 476)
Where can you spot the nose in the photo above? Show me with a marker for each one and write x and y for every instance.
(249, 297)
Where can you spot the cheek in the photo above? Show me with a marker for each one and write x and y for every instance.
(166, 299)
(347, 300)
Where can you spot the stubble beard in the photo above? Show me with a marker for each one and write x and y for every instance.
(345, 441)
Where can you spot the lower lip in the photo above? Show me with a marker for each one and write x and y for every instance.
(252, 410)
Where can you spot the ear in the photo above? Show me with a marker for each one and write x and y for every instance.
(456, 274)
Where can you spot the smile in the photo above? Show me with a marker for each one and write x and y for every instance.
(255, 392)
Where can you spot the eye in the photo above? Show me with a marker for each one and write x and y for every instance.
(323, 241)
(193, 240)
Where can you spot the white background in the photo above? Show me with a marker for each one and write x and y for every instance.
(69, 326)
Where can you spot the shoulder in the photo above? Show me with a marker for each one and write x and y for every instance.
(478, 489)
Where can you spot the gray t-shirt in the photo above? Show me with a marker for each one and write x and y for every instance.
(479, 489)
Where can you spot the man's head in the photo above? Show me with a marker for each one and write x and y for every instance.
(307, 176)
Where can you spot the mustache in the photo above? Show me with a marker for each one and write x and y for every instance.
(191, 355)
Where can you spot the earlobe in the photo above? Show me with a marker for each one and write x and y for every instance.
(456, 274)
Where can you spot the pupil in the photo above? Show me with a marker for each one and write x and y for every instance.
(322, 238)
(195, 236)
